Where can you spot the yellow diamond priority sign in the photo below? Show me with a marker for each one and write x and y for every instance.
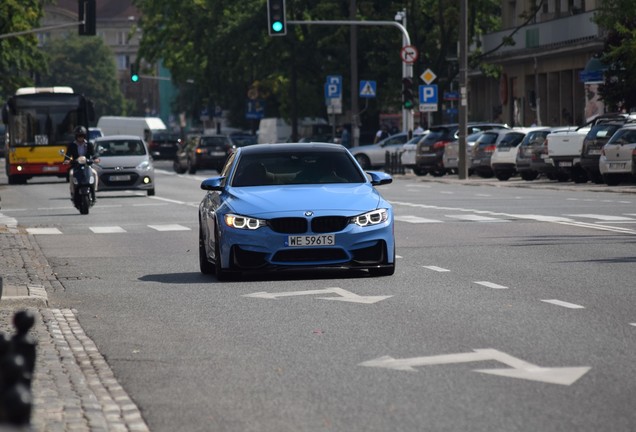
(428, 76)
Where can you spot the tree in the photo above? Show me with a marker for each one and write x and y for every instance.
(619, 53)
(224, 47)
(19, 54)
(86, 64)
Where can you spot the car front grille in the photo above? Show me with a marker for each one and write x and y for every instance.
(296, 225)
(325, 224)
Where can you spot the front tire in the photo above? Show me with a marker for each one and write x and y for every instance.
(221, 275)
(84, 204)
(151, 192)
(503, 176)
(192, 168)
(205, 265)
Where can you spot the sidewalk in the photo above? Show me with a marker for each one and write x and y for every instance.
(73, 387)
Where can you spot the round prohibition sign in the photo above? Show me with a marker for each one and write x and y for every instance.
(408, 54)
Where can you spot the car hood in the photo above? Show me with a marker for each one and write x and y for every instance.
(121, 161)
(264, 201)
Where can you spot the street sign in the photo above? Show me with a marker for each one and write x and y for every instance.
(428, 76)
(333, 87)
(367, 89)
(334, 106)
(408, 54)
(428, 98)
(519, 369)
(343, 295)
(451, 96)
(255, 109)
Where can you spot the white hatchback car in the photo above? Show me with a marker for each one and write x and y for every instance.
(125, 164)
(615, 163)
(503, 160)
(408, 151)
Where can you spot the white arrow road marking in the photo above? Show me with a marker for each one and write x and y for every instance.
(44, 231)
(345, 295)
(520, 368)
(107, 229)
(437, 269)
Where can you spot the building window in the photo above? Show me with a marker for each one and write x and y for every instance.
(122, 62)
(122, 38)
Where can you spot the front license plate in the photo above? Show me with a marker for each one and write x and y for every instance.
(217, 153)
(594, 152)
(565, 164)
(312, 240)
(119, 178)
(50, 168)
(425, 148)
(616, 166)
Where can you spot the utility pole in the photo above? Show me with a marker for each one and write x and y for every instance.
(463, 85)
(353, 48)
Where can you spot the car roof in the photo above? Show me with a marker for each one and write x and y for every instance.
(118, 137)
(273, 148)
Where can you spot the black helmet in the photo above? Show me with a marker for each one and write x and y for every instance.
(80, 130)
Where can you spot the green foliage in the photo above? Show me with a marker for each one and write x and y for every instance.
(19, 54)
(87, 65)
(224, 46)
(619, 53)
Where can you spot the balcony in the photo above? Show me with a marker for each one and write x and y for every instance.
(576, 31)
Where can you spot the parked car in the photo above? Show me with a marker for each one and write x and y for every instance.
(451, 153)
(407, 154)
(485, 146)
(295, 206)
(164, 145)
(373, 156)
(532, 154)
(125, 164)
(203, 152)
(617, 155)
(593, 143)
(431, 148)
(503, 160)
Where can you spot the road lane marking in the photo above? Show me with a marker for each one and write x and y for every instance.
(415, 219)
(491, 285)
(606, 218)
(476, 218)
(169, 227)
(44, 231)
(518, 368)
(435, 268)
(564, 304)
(344, 295)
(107, 230)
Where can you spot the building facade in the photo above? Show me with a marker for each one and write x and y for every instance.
(543, 80)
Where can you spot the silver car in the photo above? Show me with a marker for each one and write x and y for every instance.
(615, 163)
(374, 155)
(125, 164)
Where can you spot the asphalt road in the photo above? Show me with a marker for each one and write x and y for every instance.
(495, 288)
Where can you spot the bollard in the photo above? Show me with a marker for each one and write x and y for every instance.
(17, 363)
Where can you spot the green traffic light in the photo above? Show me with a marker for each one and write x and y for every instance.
(134, 78)
(408, 104)
(277, 26)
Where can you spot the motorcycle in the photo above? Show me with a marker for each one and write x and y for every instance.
(82, 184)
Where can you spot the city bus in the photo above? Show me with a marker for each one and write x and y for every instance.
(39, 123)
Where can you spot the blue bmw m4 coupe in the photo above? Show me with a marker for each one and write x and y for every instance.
(295, 206)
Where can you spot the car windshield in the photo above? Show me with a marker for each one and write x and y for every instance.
(602, 131)
(511, 140)
(487, 138)
(296, 167)
(121, 148)
(536, 137)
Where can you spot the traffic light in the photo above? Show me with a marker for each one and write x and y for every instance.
(276, 18)
(407, 93)
(134, 72)
(87, 14)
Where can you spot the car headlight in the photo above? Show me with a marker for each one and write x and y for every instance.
(243, 222)
(145, 165)
(371, 218)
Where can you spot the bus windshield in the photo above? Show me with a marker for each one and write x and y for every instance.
(45, 119)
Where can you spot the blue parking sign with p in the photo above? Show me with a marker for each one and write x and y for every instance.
(428, 94)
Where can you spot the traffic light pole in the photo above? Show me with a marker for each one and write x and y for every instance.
(407, 69)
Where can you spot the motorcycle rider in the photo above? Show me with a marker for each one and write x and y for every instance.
(81, 147)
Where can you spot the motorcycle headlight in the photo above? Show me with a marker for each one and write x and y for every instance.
(243, 222)
(145, 165)
(370, 218)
